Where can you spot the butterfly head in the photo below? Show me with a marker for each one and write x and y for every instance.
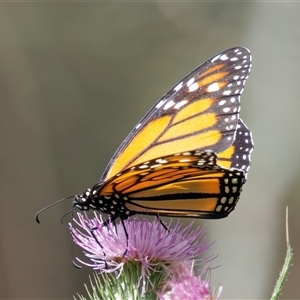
(84, 201)
(113, 205)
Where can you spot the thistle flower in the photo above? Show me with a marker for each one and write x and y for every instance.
(159, 257)
(188, 286)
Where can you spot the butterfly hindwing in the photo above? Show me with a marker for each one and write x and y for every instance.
(200, 112)
(238, 154)
(189, 184)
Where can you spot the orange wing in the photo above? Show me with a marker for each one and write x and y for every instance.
(189, 184)
(200, 112)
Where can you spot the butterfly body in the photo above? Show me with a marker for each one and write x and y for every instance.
(190, 154)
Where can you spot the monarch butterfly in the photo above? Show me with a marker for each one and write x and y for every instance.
(188, 156)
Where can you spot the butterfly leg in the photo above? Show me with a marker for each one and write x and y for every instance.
(92, 230)
(162, 223)
(109, 220)
(126, 234)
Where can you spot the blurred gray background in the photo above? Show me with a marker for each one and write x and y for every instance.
(74, 80)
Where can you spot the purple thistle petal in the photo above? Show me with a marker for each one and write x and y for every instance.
(185, 285)
(148, 242)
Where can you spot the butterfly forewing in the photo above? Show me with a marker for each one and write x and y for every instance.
(200, 112)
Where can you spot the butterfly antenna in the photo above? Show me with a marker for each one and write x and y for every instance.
(45, 208)
(63, 217)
